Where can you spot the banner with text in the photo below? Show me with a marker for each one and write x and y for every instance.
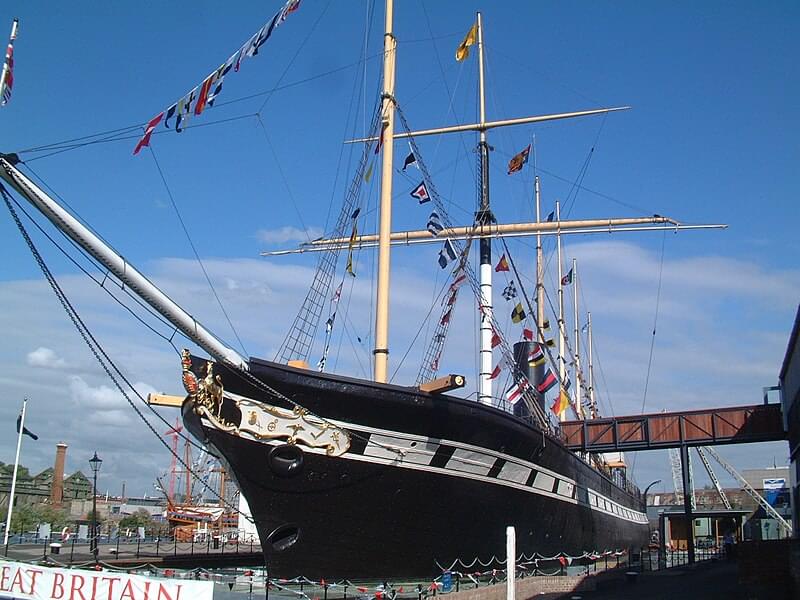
(21, 580)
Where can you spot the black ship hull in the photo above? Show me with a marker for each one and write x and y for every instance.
(426, 479)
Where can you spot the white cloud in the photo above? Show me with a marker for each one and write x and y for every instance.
(707, 352)
(288, 234)
(45, 358)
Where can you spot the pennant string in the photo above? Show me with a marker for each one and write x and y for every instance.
(204, 94)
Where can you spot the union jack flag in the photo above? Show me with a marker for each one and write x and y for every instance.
(7, 82)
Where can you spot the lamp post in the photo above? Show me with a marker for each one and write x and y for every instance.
(95, 462)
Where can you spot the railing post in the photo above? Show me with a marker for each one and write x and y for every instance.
(72, 550)
(117, 545)
(158, 541)
(138, 542)
(191, 552)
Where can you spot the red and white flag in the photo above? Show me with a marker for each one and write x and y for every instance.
(421, 193)
(7, 80)
(514, 393)
(148, 131)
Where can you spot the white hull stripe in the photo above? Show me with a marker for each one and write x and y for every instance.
(457, 459)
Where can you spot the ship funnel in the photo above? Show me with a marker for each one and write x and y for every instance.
(534, 373)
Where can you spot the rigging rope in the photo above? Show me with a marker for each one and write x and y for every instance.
(505, 349)
(94, 346)
(655, 320)
(300, 337)
(133, 297)
(194, 249)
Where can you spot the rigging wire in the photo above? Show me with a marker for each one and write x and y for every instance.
(194, 248)
(136, 136)
(655, 324)
(283, 177)
(101, 284)
(235, 369)
(451, 97)
(124, 306)
(297, 52)
(94, 346)
(121, 133)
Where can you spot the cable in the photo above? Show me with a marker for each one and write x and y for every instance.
(100, 355)
(194, 248)
(655, 323)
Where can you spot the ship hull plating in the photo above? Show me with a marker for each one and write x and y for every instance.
(428, 479)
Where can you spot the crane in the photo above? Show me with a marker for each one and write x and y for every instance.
(174, 432)
(675, 463)
(749, 489)
(701, 453)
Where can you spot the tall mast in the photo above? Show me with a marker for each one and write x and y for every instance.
(561, 331)
(484, 217)
(381, 350)
(592, 405)
(539, 264)
(577, 358)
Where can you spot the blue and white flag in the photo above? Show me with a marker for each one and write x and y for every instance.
(434, 223)
(447, 254)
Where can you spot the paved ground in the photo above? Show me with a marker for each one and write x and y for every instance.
(705, 581)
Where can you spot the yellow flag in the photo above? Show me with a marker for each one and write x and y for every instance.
(368, 174)
(561, 403)
(462, 51)
(350, 250)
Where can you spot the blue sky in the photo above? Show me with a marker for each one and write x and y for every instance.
(711, 138)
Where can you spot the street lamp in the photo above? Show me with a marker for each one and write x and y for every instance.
(95, 462)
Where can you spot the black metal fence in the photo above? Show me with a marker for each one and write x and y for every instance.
(73, 549)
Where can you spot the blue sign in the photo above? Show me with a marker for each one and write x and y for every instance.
(447, 581)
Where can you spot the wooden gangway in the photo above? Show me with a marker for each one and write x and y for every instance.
(707, 427)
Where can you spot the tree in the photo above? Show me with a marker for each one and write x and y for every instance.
(141, 518)
(24, 518)
(27, 517)
(55, 516)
